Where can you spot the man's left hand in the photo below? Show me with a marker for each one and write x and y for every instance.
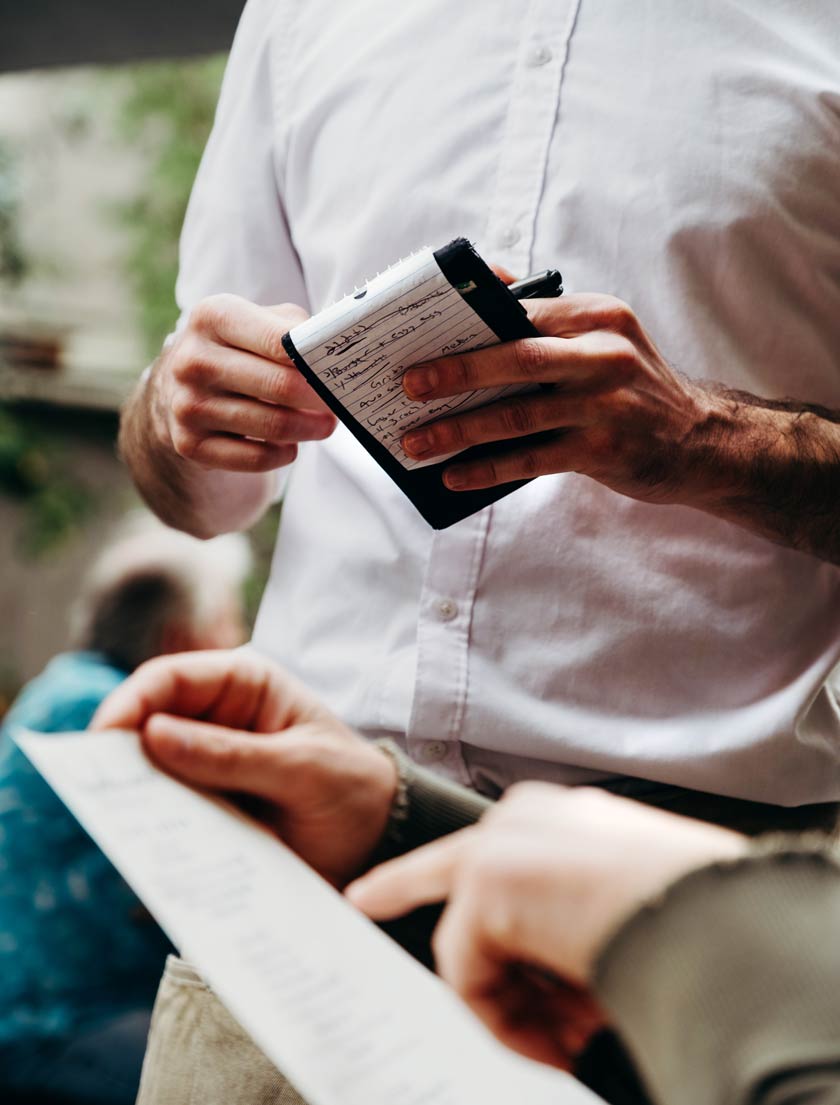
(235, 722)
(609, 405)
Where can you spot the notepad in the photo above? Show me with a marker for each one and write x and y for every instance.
(344, 1012)
(355, 353)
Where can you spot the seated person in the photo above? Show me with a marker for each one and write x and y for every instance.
(715, 959)
(235, 722)
(79, 957)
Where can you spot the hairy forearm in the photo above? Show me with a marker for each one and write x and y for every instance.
(185, 495)
(771, 466)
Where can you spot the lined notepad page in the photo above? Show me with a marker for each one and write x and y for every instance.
(362, 345)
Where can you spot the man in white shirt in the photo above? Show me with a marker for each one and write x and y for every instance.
(665, 603)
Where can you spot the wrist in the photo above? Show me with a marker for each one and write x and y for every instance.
(770, 466)
(143, 426)
(391, 840)
(145, 445)
(731, 434)
(424, 806)
(156, 406)
(709, 449)
(374, 780)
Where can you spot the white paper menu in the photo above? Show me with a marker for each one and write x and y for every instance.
(333, 1002)
(361, 347)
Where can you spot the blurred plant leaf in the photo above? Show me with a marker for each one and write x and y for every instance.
(34, 471)
(13, 265)
(168, 112)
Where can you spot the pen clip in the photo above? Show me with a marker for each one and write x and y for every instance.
(541, 285)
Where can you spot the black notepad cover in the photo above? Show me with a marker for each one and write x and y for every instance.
(506, 317)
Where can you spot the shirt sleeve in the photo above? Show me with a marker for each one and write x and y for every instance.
(235, 236)
(426, 807)
(725, 991)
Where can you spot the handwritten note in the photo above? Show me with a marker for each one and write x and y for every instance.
(343, 1011)
(362, 345)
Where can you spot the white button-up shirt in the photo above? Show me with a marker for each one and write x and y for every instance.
(684, 157)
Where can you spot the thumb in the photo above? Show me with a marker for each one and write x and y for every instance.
(216, 757)
(291, 315)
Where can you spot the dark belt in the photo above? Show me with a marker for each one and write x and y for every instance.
(751, 818)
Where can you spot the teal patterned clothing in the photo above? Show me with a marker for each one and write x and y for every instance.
(76, 947)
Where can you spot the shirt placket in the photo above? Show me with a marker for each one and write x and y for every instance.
(443, 635)
(454, 564)
(543, 47)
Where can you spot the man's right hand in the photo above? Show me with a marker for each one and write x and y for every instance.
(236, 722)
(226, 396)
(534, 893)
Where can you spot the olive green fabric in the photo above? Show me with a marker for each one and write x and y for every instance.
(727, 990)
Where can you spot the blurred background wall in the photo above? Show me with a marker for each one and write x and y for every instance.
(39, 33)
(96, 164)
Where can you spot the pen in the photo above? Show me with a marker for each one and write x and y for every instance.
(541, 285)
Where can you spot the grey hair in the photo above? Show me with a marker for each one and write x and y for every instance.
(149, 580)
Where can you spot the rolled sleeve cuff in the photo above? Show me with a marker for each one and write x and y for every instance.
(426, 806)
(729, 982)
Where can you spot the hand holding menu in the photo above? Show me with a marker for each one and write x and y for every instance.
(331, 1000)
(355, 353)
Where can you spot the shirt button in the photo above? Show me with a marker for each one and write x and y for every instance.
(447, 609)
(540, 55)
(509, 237)
(433, 752)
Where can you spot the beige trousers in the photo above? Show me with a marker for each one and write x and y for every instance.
(198, 1055)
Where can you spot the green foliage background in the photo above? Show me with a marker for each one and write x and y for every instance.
(33, 470)
(167, 112)
(12, 259)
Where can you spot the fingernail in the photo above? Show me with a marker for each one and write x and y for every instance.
(455, 478)
(417, 443)
(420, 381)
(353, 893)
